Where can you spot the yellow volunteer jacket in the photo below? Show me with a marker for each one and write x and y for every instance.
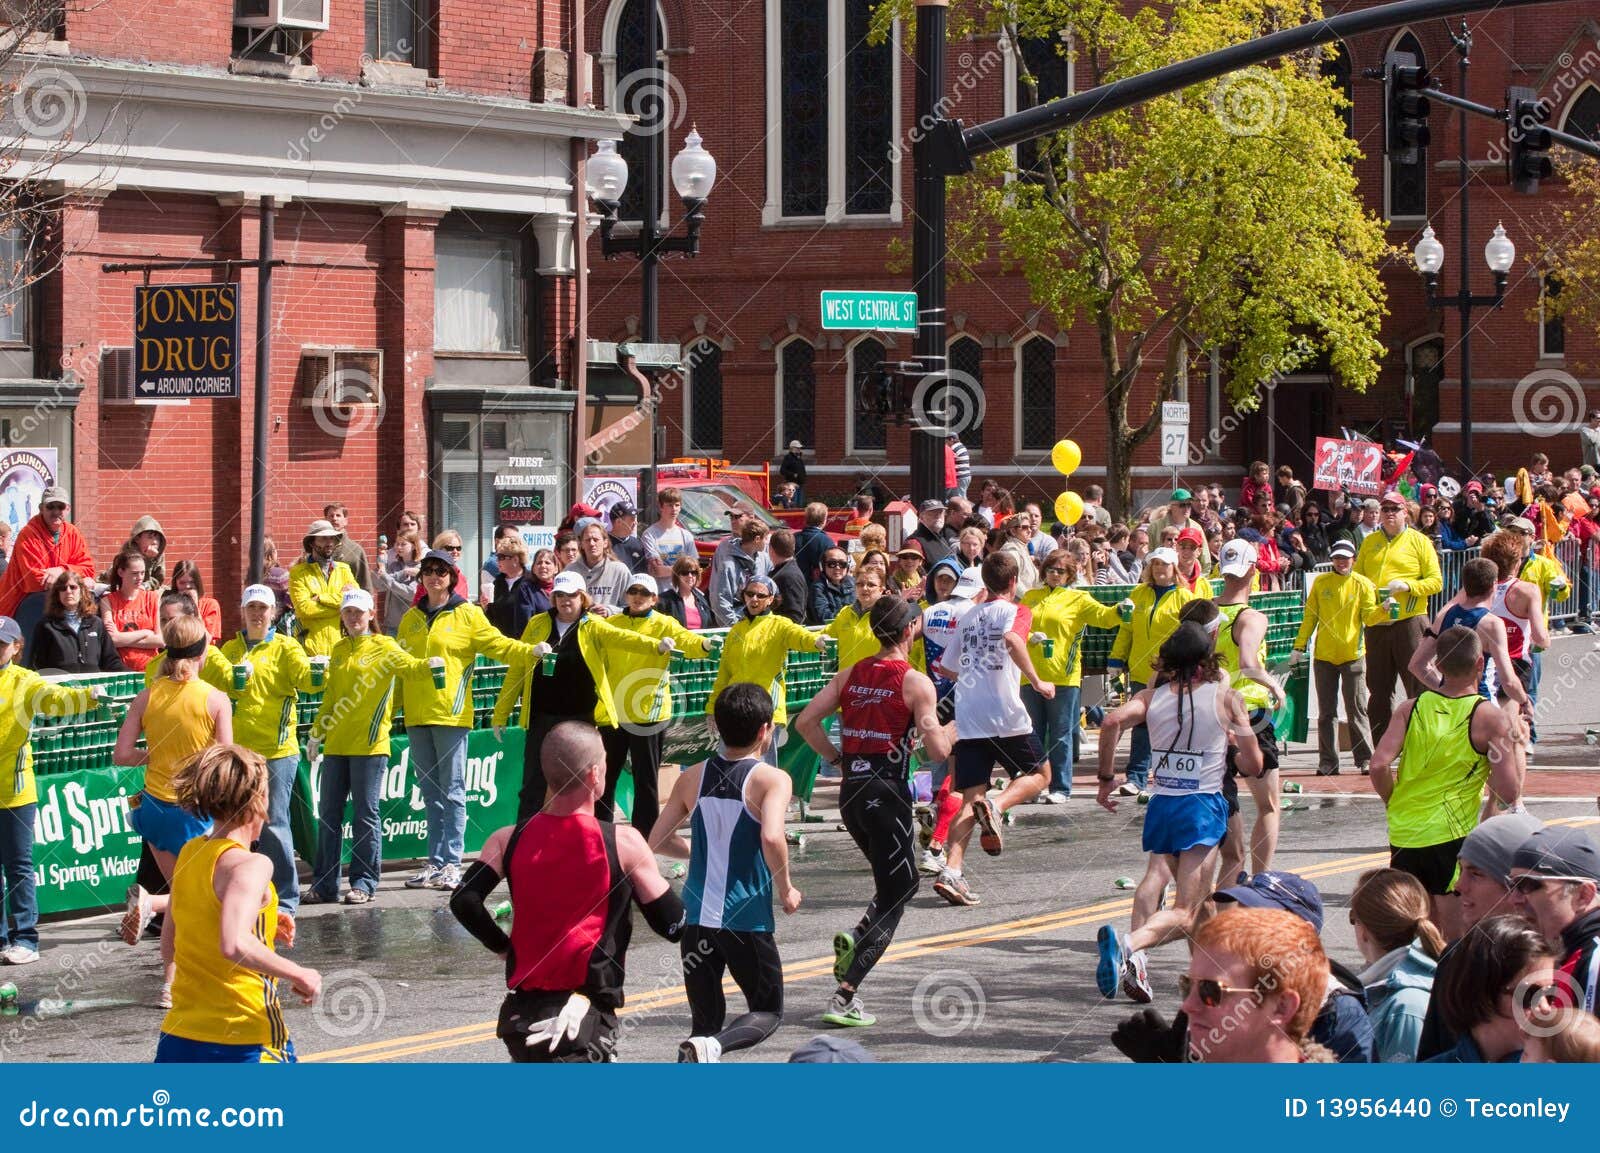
(316, 599)
(215, 669)
(1155, 617)
(755, 651)
(1410, 557)
(358, 696)
(263, 714)
(1062, 614)
(853, 631)
(598, 640)
(640, 687)
(1540, 570)
(1335, 608)
(458, 633)
(24, 694)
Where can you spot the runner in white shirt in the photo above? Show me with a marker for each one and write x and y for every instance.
(1193, 716)
(984, 658)
(939, 624)
(667, 540)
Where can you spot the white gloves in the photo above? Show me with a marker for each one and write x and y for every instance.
(1037, 638)
(541, 650)
(667, 645)
(563, 1026)
(1398, 586)
(313, 750)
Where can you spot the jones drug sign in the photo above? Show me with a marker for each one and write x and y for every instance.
(186, 341)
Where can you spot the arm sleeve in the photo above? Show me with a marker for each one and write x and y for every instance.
(518, 670)
(307, 608)
(467, 905)
(665, 915)
(691, 644)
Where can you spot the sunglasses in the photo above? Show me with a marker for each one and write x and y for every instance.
(1209, 991)
(504, 555)
(836, 564)
(435, 570)
(1055, 572)
(1527, 885)
(757, 595)
(1533, 997)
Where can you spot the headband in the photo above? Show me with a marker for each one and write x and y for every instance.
(189, 652)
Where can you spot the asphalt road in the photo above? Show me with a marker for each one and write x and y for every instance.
(1009, 980)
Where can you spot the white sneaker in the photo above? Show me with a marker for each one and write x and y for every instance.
(1058, 798)
(699, 1051)
(446, 877)
(164, 998)
(933, 862)
(423, 878)
(136, 917)
(19, 955)
(1126, 789)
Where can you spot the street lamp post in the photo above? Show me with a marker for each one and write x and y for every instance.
(694, 170)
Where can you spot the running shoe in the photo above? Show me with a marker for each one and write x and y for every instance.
(1136, 980)
(851, 1014)
(1109, 970)
(988, 826)
(954, 889)
(312, 897)
(446, 877)
(359, 897)
(933, 862)
(699, 1051)
(164, 998)
(844, 954)
(423, 879)
(1059, 798)
(1126, 789)
(137, 915)
(20, 955)
(925, 822)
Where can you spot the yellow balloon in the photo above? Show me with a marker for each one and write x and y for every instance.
(1069, 505)
(1066, 456)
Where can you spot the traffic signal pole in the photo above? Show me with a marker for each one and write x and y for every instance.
(928, 246)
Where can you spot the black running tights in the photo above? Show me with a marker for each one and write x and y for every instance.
(877, 813)
(753, 960)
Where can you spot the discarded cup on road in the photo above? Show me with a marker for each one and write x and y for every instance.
(1591, 736)
(1124, 883)
(502, 911)
(8, 994)
(1293, 787)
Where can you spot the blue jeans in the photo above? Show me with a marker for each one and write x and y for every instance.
(19, 917)
(358, 779)
(439, 755)
(1138, 749)
(1056, 722)
(1536, 660)
(277, 842)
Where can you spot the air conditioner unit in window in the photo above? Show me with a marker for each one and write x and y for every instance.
(312, 14)
(343, 387)
(116, 382)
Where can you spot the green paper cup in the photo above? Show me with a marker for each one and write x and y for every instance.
(241, 677)
(436, 666)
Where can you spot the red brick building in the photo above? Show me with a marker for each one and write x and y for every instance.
(802, 116)
(423, 317)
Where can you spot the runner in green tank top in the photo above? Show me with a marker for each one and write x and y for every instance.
(1431, 766)
(1242, 654)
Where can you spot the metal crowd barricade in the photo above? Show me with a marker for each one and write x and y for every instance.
(1569, 552)
(1451, 562)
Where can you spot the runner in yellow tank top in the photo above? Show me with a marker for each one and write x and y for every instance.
(222, 923)
(178, 716)
(1431, 766)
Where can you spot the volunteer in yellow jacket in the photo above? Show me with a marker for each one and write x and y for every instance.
(273, 670)
(179, 716)
(350, 736)
(573, 686)
(641, 700)
(1404, 569)
(1337, 604)
(222, 924)
(1060, 614)
(756, 648)
(852, 628)
(450, 632)
(215, 669)
(29, 696)
(1157, 599)
(316, 588)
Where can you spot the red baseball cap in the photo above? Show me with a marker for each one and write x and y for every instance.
(1190, 533)
(1474, 486)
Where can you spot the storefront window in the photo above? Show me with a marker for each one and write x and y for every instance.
(494, 467)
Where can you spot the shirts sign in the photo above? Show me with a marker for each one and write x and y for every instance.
(186, 341)
(1354, 466)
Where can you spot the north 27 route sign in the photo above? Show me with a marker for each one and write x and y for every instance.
(872, 310)
(186, 341)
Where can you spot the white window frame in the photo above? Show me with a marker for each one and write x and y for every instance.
(772, 210)
(850, 449)
(1017, 451)
(1009, 70)
(514, 245)
(608, 84)
(1389, 217)
(18, 296)
(780, 434)
(1213, 438)
(1544, 278)
(691, 448)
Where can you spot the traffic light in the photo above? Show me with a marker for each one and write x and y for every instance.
(1528, 158)
(1405, 106)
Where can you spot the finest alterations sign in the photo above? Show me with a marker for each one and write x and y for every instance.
(186, 341)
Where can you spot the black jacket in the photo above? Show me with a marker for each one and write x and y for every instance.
(57, 648)
(809, 545)
(515, 606)
(935, 545)
(671, 603)
(793, 468)
(792, 591)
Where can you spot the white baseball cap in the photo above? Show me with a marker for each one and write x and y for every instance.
(356, 599)
(568, 583)
(1237, 558)
(969, 584)
(644, 581)
(257, 595)
(1167, 554)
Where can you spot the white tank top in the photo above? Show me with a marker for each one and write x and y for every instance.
(1188, 755)
(1517, 629)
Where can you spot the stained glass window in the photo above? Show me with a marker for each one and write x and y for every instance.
(1038, 400)
(1338, 69)
(966, 372)
(804, 80)
(1048, 61)
(868, 115)
(1552, 326)
(866, 358)
(639, 92)
(798, 361)
(705, 397)
(1408, 182)
(1584, 118)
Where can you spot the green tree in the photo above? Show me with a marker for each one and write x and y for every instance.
(1223, 217)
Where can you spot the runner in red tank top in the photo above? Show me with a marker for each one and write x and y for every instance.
(571, 877)
(884, 704)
